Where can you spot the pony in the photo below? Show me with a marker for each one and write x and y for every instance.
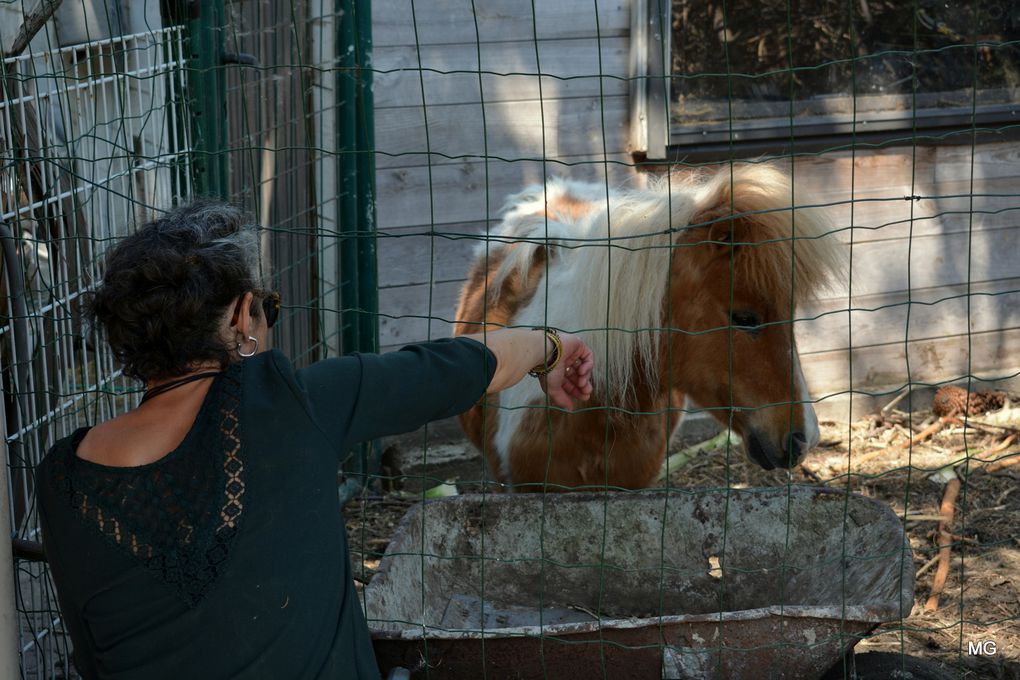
(685, 288)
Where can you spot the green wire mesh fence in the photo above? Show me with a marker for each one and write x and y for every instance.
(94, 139)
(113, 112)
(896, 119)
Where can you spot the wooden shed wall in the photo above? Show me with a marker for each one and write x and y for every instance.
(490, 126)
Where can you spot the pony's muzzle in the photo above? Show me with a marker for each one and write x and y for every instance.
(797, 446)
(758, 451)
(770, 454)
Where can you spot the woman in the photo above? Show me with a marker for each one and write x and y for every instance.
(199, 535)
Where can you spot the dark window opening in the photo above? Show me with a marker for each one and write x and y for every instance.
(779, 73)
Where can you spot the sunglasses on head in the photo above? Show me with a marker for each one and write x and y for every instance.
(270, 307)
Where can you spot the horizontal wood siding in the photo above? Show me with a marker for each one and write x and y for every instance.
(511, 131)
(449, 73)
(444, 195)
(514, 95)
(470, 22)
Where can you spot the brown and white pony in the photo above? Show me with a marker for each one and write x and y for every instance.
(686, 288)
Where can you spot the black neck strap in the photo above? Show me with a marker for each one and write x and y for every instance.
(167, 386)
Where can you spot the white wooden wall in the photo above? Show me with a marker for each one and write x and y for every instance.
(489, 135)
(949, 259)
(445, 168)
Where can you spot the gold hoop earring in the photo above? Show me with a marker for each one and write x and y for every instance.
(255, 348)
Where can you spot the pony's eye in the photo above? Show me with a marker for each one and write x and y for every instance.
(745, 321)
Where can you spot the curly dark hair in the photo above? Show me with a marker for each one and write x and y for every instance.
(167, 287)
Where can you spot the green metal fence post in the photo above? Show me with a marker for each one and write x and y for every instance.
(359, 298)
(347, 176)
(207, 88)
(368, 275)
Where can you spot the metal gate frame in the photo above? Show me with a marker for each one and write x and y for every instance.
(203, 118)
(90, 147)
(207, 27)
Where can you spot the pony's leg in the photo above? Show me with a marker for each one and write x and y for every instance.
(481, 309)
(564, 451)
(552, 451)
(641, 451)
(479, 423)
(678, 405)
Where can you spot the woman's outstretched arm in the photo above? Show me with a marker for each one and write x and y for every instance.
(360, 397)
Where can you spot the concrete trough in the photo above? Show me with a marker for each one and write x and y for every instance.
(744, 583)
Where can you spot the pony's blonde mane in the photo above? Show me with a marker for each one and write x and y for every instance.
(608, 270)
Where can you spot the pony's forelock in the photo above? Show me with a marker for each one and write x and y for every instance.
(785, 248)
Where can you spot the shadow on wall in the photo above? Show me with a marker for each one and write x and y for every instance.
(445, 168)
(910, 270)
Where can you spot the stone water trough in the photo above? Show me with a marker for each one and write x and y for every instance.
(744, 583)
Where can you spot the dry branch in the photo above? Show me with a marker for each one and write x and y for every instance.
(35, 19)
(916, 439)
(892, 404)
(993, 464)
(1002, 463)
(923, 518)
(990, 428)
(927, 565)
(945, 543)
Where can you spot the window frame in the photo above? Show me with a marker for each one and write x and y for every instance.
(653, 139)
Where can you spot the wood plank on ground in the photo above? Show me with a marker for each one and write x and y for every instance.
(842, 173)
(947, 208)
(932, 261)
(898, 171)
(983, 162)
(406, 315)
(409, 257)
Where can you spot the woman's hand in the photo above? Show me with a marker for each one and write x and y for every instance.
(519, 350)
(571, 379)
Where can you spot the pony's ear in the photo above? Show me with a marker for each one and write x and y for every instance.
(521, 269)
(716, 227)
(730, 230)
(733, 207)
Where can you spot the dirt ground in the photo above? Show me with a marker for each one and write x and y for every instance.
(874, 457)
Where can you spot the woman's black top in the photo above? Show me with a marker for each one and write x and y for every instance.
(228, 557)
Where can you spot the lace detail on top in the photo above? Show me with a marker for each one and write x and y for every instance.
(178, 515)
